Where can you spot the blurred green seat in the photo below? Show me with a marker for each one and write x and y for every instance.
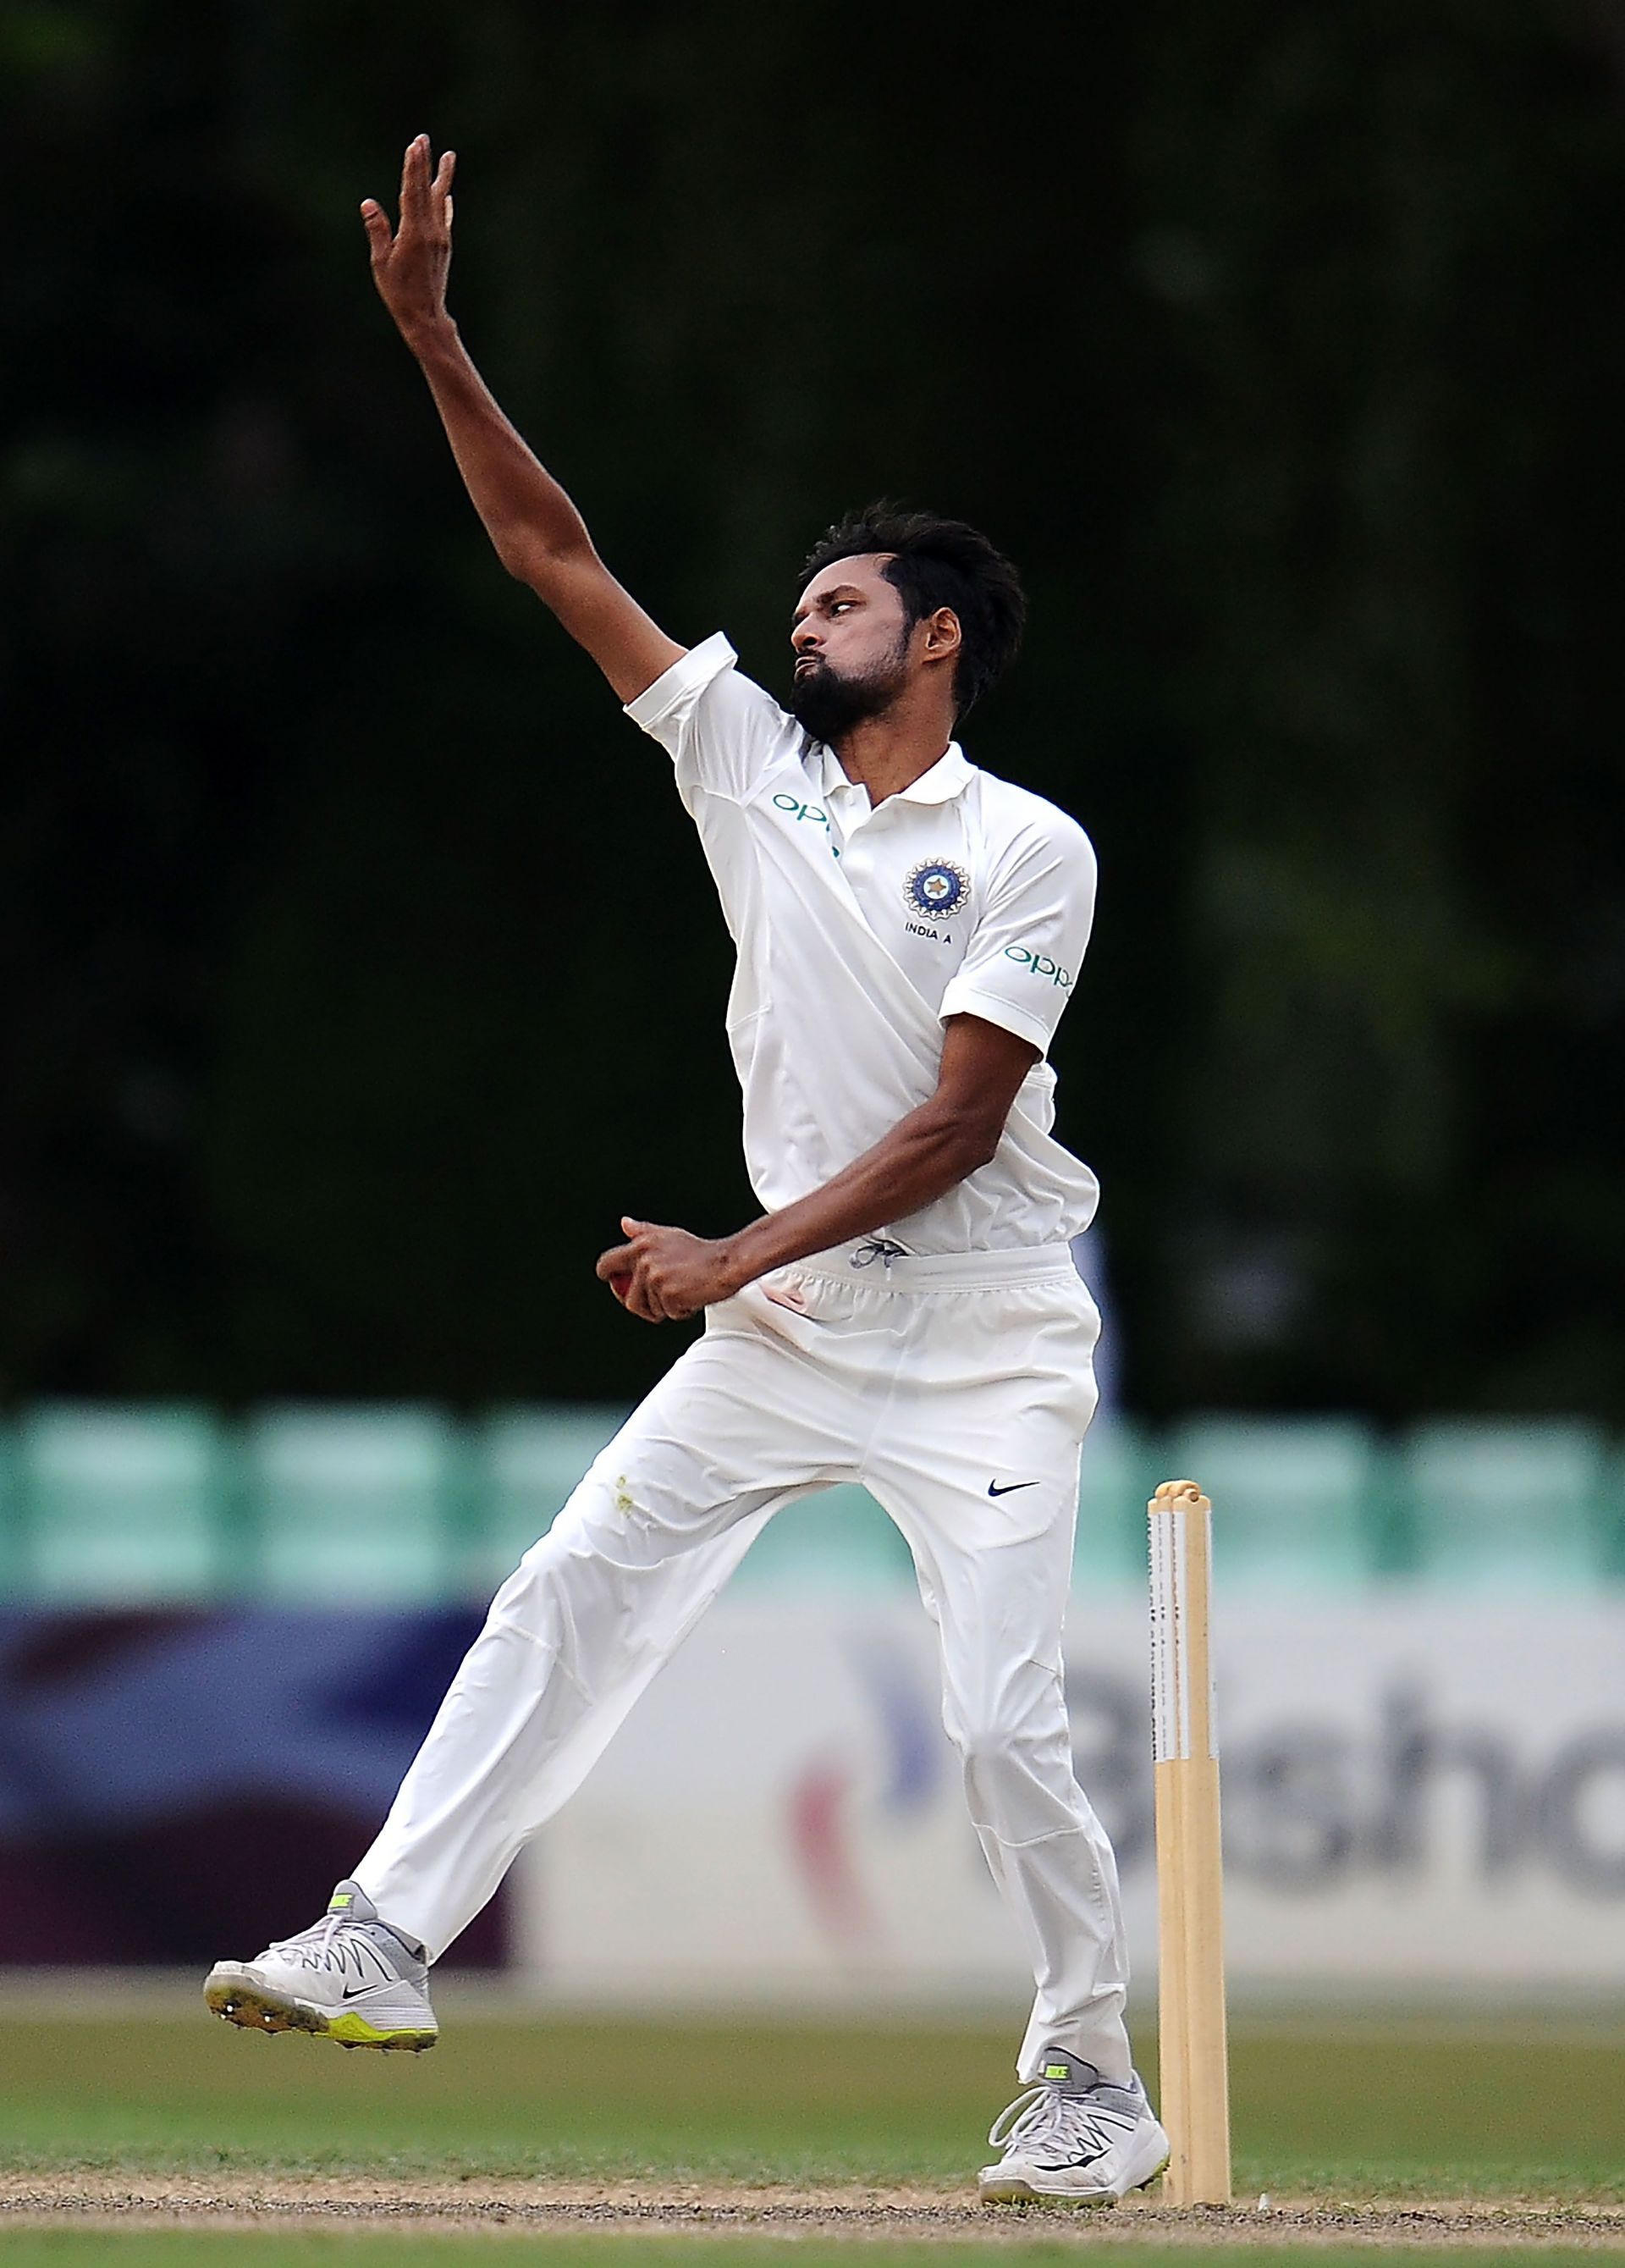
(1293, 1499)
(359, 1505)
(839, 1540)
(524, 1463)
(1508, 1505)
(121, 1504)
(1114, 1479)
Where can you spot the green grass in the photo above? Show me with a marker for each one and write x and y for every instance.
(1337, 2114)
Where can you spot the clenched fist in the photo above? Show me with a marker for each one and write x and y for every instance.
(665, 1275)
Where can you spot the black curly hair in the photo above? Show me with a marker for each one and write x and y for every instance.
(939, 563)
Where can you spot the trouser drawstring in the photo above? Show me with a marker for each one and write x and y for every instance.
(879, 1248)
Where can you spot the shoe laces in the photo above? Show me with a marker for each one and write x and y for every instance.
(1076, 2125)
(319, 1946)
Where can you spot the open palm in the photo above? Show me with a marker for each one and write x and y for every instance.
(410, 263)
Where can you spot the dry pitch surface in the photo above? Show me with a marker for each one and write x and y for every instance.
(644, 2209)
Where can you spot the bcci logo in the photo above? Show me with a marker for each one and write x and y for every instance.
(936, 889)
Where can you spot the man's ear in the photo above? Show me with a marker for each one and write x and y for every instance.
(942, 634)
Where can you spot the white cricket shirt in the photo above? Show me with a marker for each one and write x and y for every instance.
(859, 929)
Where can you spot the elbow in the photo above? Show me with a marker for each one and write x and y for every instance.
(530, 559)
(515, 546)
(972, 1143)
(525, 561)
(983, 1149)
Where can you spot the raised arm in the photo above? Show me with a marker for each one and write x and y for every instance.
(540, 536)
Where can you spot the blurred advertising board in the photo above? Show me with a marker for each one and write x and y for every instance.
(181, 1783)
(1413, 1794)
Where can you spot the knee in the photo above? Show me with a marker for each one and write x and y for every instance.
(979, 1737)
(572, 1565)
(1006, 1746)
(992, 1750)
(1020, 1784)
(598, 1524)
(1008, 1718)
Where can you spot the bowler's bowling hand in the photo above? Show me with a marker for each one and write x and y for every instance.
(410, 264)
(664, 1274)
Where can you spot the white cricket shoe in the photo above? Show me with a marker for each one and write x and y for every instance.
(1073, 2139)
(351, 1978)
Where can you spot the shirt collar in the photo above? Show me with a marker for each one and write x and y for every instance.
(947, 777)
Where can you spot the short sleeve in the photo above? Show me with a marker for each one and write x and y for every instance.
(1029, 940)
(719, 729)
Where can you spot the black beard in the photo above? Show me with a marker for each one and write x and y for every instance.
(826, 706)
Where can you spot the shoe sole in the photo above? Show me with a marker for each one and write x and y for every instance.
(1016, 2191)
(256, 2009)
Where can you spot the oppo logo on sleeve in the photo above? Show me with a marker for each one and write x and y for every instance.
(1039, 964)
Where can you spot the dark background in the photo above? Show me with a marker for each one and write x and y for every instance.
(357, 969)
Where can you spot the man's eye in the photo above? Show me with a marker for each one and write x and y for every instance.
(840, 606)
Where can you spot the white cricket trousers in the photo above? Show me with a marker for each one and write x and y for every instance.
(957, 1390)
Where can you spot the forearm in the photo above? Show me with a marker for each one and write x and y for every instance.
(539, 535)
(662, 1274)
(528, 516)
(924, 1156)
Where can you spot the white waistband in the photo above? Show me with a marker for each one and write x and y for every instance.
(867, 1261)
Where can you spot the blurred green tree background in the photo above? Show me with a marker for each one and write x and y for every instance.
(359, 969)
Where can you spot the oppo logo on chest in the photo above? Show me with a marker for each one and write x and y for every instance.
(793, 804)
(814, 813)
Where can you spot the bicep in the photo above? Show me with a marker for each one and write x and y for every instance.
(627, 643)
(1025, 949)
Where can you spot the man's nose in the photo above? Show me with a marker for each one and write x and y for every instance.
(804, 639)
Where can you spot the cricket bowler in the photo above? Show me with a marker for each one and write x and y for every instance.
(904, 1311)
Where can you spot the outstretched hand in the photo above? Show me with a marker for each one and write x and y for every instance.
(410, 263)
(664, 1274)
